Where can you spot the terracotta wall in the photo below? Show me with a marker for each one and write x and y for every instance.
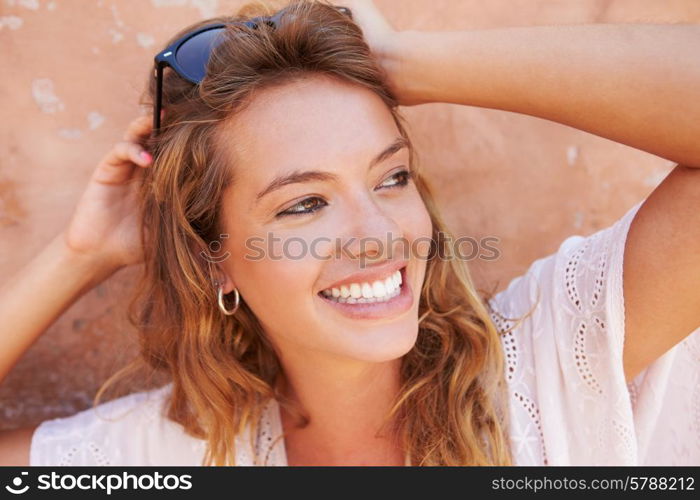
(71, 73)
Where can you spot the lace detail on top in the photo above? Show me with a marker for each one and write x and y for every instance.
(509, 347)
(79, 440)
(134, 430)
(569, 401)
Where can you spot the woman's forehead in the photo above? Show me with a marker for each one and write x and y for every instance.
(308, 123)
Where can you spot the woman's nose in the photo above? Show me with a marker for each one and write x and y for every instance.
(372, 233)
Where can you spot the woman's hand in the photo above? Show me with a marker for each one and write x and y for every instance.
(105, 225)
(382, 38)
(375, 28)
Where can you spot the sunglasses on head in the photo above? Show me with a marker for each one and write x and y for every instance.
(188, 56)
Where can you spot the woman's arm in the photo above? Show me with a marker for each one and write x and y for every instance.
(635, 84)
(39, 293)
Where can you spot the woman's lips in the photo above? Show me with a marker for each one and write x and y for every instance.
(376, 310)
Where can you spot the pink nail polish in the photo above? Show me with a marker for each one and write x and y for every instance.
(146, 156)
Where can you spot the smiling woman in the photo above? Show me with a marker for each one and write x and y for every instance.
(294, 137)
(239, 176)
(365, 350)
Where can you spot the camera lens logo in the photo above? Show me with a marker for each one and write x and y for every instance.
(215, 247)
(17, 482)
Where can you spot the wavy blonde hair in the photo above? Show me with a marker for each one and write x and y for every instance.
(451, 406)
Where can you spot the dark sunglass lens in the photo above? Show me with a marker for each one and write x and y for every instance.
(193, 55)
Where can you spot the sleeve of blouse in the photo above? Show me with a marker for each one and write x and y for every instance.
(564, 365)
(124, 431)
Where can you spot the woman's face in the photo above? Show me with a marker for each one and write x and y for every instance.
(340, 220)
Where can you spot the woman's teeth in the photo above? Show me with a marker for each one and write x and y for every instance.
(363, 293)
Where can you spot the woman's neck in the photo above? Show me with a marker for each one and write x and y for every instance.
(347, 405)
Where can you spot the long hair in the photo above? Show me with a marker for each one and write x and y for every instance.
(450, 409)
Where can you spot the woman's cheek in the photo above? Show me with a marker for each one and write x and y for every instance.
(416, 225)
(291, 266)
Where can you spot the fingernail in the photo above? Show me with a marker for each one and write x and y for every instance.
(146, 156)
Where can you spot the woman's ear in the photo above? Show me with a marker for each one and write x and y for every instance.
(216, 271)
(221, 278)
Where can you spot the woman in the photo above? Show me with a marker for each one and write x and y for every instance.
(310, 336)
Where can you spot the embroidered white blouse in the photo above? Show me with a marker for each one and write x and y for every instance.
(569, 403)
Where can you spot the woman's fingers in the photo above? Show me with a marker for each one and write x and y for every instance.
(118, 165)
(138, 129)
(367, 14)
(130, 151)
(376, 29)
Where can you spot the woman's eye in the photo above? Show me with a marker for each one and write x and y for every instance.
(314, 203)
(305, 206)
(399, 179)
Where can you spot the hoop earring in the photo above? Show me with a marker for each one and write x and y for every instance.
(220, 297)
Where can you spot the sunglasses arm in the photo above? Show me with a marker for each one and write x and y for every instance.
(159, 96)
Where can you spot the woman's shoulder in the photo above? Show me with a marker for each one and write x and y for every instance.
(568, 396)
(572, 280)
(567, 302)
(130, 430)
(126, 409)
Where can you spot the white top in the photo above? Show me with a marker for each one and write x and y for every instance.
(569, 403)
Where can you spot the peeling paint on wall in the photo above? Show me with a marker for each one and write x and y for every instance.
(70, 133)
(117, 36)
(95, 119)
(44, 96)
(12, 22)
(115, 15)
(27, 4)
(169, 3)
(207, 8)
(145, 40)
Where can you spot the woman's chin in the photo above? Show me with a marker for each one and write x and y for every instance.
(382, 343)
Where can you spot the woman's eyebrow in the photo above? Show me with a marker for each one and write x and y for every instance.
(301, 176)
